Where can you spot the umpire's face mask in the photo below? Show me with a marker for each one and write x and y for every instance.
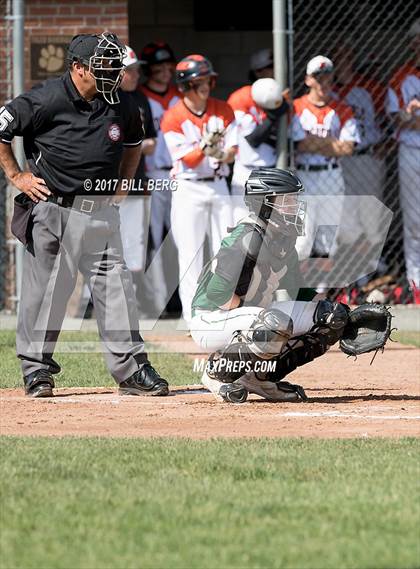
(106, 66)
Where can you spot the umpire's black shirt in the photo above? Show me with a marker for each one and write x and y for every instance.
(67, 139)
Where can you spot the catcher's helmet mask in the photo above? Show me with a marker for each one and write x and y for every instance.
(105, 65)
(267, 194)
(190, 69)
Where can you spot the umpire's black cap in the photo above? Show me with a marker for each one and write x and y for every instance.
(82, 47)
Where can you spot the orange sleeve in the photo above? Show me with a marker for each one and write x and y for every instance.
(225, 111)
(193, 158)
(171, 121)
(241, 100)
(343, 111)
(298, 105)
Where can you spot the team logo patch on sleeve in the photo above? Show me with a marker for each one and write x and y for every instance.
(114, 132)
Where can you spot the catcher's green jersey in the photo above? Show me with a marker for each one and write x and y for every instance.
(253, 262)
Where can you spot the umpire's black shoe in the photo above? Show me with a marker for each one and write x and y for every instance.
(145, 381)
(39, 383)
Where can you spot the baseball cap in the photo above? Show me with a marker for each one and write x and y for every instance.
(414, 28)
(319, 64)
(261, 59)
(130, 57)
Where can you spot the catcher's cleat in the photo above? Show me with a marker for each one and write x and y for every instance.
(233, 393)
(145, 381)
(39, 383)
(282, 391)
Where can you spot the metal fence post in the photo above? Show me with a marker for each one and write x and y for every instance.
(18, 88)
(280, 72)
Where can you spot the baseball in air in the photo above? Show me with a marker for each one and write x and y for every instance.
(266, 93)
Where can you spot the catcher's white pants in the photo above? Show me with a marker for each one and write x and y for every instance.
(198, 209)
(320, 211)
(213, 330)
(409, 175)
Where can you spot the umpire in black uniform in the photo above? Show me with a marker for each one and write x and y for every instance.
(82, 138)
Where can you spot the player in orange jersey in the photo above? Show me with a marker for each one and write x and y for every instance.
(201, 136)
(324, 130)
(403, 104)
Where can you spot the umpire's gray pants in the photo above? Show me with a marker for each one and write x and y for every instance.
(65, 241)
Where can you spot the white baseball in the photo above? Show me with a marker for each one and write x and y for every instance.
(376, 296)
(266, 93)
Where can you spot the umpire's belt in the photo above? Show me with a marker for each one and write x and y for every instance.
(316, 167)
(79, 203)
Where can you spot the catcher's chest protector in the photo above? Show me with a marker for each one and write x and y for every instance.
(264, 269)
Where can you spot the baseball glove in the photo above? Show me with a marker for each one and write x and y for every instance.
(367, 330)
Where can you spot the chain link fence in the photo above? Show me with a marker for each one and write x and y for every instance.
(7, 242)
(369, 42)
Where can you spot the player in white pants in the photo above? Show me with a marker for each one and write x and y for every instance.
(235, 314)
(403, 104)
(324, 130)
(158, 66)
(201, 136)
(364, 171)
(133, 209)
(257, 109)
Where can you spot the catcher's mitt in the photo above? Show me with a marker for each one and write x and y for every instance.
(367, 330)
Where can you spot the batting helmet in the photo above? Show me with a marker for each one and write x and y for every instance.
(104, 55)
(190, 68)
(154, 53)
(273, 195)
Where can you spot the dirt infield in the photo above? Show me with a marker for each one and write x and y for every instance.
(346, 399)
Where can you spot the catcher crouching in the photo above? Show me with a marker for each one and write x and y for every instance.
(256, 339)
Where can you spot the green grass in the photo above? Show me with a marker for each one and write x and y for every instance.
(410, 338)
(290, 503)
(87, 369)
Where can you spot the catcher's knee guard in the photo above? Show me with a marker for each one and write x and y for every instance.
(265, 339)
(269, 333)
(233, 393)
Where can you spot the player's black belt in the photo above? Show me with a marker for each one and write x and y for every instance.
(316, 167)
(80, 203)
(208, 179)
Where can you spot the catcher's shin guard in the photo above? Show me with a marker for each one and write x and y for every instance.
(265, 339)
(330, 319)
(298, 351)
